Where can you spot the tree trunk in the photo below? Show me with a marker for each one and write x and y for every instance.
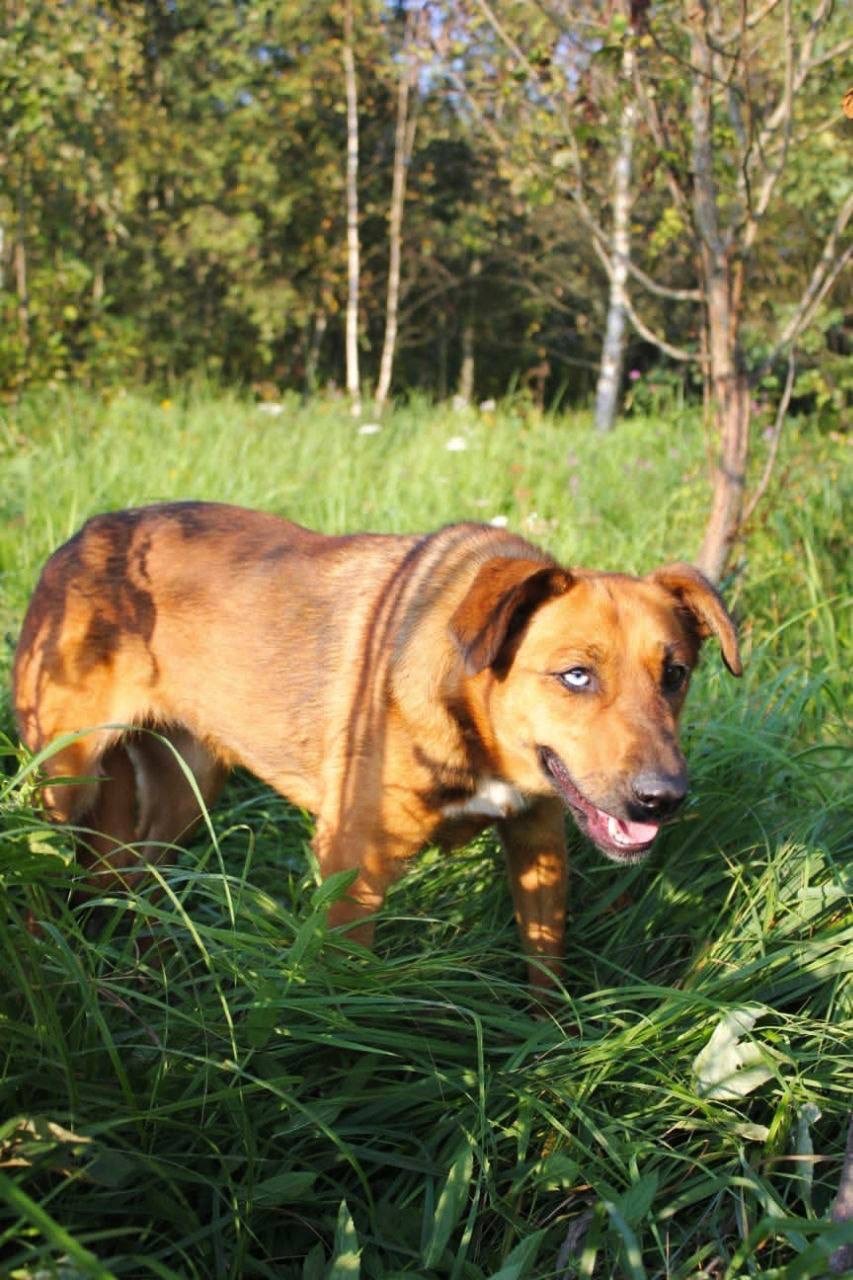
(352, 375)
(731, 419)
(404, 141)
(607, 396)
(729, 391)
(98, 282)
(19, 261)
(465, 386)
(312, 356)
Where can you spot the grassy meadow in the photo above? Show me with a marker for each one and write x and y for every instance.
(257, 1098)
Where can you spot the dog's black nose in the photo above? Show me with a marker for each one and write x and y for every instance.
(659, 794)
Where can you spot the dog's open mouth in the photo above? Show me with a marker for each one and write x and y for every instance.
(619, 839)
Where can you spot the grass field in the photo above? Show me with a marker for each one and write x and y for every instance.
(257, 1098)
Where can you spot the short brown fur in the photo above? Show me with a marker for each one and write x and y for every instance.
(404, 689)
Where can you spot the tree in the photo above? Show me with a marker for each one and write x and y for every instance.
(607, 392)
(725, 109)
(353, 245)
(404, 141)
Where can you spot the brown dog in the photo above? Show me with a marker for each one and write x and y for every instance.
(404, 689)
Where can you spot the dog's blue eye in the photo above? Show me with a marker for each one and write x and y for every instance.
(577, 678)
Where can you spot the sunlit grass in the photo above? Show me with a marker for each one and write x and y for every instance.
(197, 1077)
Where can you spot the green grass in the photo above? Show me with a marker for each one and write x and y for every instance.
(205, 1083)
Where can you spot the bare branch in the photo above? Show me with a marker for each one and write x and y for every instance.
(773, 171)
(502, 33)
(663, 290)
(751, 20)
(656, 128)
(802, 68)
(675, 353)
(827, 270)
(497, 141)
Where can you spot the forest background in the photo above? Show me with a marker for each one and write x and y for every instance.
(459, 198)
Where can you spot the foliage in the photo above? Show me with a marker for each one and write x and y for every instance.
(171, 192)
(198, 1080)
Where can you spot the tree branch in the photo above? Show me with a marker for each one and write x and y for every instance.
(675, 353)
(663, 290)
(823, 277)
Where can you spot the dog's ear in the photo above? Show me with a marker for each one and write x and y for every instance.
(705, 605)
(503, 595)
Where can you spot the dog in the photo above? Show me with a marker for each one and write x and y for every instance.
(406, 690)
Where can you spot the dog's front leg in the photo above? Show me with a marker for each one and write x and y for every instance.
(378, 864)
(535, 846)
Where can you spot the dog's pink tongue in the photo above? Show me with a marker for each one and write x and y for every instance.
(630, 832)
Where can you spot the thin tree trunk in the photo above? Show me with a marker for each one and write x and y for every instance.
(465, 386)
(312, 356)
(465, 389)
(353, 250)
(441, 388)
(98, 283)
(404, 141)
(730, 399)
(613, 351)
(19, 260)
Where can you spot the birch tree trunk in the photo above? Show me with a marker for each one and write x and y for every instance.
(353, 381)
(730, 401)
(613, 351)
(404, 141)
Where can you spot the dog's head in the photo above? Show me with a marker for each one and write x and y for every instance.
(580, 679)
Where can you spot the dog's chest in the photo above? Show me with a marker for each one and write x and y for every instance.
(492, 799)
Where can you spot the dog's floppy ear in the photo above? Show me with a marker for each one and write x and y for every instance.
(695, 593)
(503, 594)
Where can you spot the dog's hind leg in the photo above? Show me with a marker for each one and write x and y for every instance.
(176, 775)
(141, 804)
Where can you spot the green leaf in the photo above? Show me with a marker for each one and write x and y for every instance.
(333, 888)
(632, 1256)
(313, 1265)
(262, 1018)
(345, 1264)
(284, 1188)
(635, 1203)
(451, 1202)
(520, 1259)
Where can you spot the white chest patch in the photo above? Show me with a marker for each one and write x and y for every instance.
(492, 799)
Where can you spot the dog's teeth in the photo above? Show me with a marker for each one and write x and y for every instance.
(615, 832)
(617, 835)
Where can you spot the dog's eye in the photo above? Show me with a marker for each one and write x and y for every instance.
(577, 678)
(674, 676)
